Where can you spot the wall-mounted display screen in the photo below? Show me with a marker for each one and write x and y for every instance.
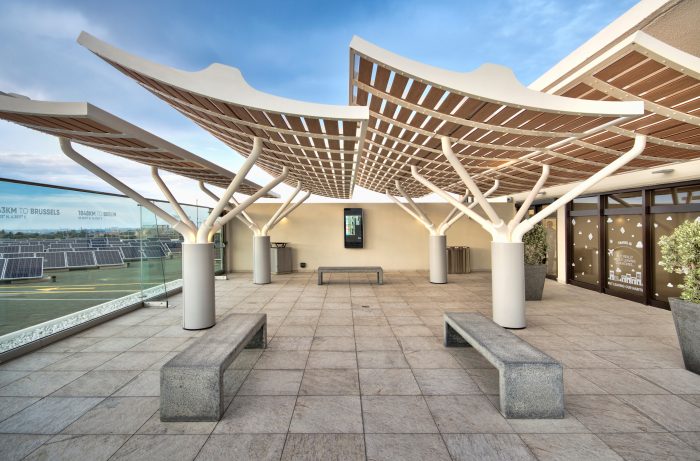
(353, 225)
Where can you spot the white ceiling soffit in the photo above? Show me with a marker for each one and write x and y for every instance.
(499, 128)
(320, 144)
(91, 126)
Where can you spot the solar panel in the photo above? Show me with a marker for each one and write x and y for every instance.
(173, 247)
(9, 249)
(31, 249)
(23, 268)
(131, 252)
(109, 258)
(153, 252)
(80, 259)
(55, 260)
(17, 255)
(59, 246)
(2, 266)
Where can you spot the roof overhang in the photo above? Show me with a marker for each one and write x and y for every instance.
(498, 128)
(85, 124)
(320, 144)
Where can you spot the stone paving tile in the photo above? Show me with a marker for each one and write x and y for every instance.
(466, 414)
(272, 382)
(675, 381)
(381, 343)
(17, 446)
(290, 343)
(6, 377)
(650, 447)
(576, 383)
(406, 447)
(34, 361)
(282, 360)
(115, 415)
(691, 438)
(325, 359)
(327, 414)
(132, 361)
(160, 447)
(617, 381)
(82, 361)
(381, 359)
(257, 414)
(146, 384)
(155, 426)
(225, 447)
(159, 344)
(39, 383)
(345, 447)
(448, 381)
(48, 416)
(431, 359)
(11, 405)
(73, 447)
(330, 382)
(333, 343)
(397, 415)
(672, 412)
(114, 345)
(606, 413)
(390, 381)
(579, 447)
(487, 447)
(96, 383)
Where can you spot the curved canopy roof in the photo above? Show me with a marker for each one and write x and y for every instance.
(91, 126)
(320, 144)
(499, 128)
(666, 79)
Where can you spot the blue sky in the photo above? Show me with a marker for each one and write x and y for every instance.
(293, 49)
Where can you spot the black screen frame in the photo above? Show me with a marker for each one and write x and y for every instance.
(348, 240)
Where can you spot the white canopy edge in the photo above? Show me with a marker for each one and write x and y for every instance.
(25, 106)
(493, 83)
(221, 82)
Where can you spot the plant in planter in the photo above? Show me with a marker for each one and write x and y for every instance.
(535, 242)
(680, 254)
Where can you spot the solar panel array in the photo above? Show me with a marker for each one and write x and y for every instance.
(23, 268)
(77, 253)
(109, 258)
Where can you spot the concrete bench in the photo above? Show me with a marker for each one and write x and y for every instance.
(352, 269)
(192, 382)
(531, 382)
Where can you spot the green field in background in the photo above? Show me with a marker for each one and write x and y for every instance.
(26, 304)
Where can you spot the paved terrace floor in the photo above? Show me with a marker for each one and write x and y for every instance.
(357, 371)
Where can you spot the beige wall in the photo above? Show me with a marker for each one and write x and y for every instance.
(393, 239)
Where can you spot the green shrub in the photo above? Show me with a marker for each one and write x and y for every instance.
(680, 254)
(535, 241)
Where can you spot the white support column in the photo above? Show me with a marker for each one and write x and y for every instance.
(507, 259)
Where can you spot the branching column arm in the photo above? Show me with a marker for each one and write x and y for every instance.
(176, 224)
(219, 223)
(528, 200)
(205, 230)
(243, 216)
(455, 214)
(268, 226)
(634, 152)
(412, 209)
(290, 209)
(483, 222)
(171, 198)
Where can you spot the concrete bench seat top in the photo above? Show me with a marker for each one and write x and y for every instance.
(350, 269)
(221, 343)
(497, 344)
(531, 383)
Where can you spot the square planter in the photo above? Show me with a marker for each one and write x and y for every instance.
(686, 316)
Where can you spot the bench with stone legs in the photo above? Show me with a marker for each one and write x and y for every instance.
(192, 382)
(351, 270)
(531, 382)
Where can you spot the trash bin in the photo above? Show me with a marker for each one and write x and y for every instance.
(458, 260)
(280, 258)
